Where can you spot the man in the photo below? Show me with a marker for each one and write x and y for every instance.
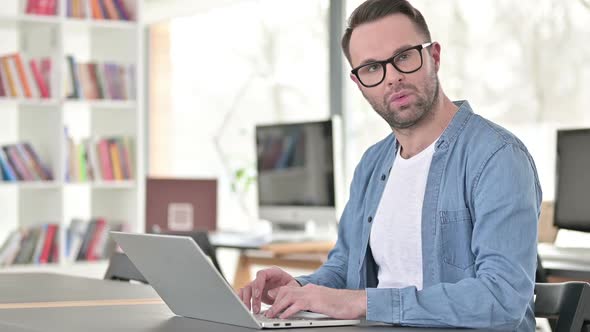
(440, 228)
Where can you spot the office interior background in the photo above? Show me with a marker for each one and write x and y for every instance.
(210, 71)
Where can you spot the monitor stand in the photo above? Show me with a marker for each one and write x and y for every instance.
(301, 232)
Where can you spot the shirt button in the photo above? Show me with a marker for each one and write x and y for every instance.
(370, 219)
(383, 177)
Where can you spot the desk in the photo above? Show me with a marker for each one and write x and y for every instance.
(151, 316)
(298, 255)
(565, 263)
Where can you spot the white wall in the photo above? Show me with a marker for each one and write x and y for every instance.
(159, 10)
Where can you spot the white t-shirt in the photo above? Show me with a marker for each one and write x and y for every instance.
(396, 234)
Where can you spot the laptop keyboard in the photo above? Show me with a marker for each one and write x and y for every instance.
(302, 315)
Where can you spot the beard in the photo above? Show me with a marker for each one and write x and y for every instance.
(409, 115)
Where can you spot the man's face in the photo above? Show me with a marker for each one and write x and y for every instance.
(401, 99)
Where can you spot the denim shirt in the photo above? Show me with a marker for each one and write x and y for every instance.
(479, 232)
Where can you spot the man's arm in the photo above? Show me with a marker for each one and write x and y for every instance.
(506, 200)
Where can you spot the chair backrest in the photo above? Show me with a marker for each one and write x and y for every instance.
(541, 273)
(121, 268)
(567, 302)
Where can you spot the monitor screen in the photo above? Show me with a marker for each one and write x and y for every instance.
(295, 165)
(572, 196)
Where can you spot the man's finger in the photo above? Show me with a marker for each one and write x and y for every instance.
(282, 301)
(257, 289)
(292, 310)
(247, 296)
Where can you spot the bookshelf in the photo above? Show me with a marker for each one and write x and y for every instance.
(41, 122)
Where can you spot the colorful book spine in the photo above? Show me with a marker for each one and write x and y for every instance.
(45, 172)
(95, 10)
(76, 93)
(105, 160)
(48, 243)
(9, 76)
(122, 10)
(7, 169)
(115, 160)
(20, 68)
(2, 85)
(111, 10)
(43, 88)
(18, 164)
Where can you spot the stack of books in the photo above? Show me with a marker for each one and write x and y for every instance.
(41, 7)
(31, 245)
(88, 240)
(100, 9)
(20, 162)
(85, 240)
(93, 81)
(21, 77)
(99, 159)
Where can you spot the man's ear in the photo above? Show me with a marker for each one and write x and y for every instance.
(355, 80)
(435, 51)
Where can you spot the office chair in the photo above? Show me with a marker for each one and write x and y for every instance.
(540, 274)
(121, 268)
(568, 303)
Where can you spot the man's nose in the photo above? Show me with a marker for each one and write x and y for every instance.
(392, 75)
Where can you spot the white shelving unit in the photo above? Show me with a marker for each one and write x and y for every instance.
(41, 122)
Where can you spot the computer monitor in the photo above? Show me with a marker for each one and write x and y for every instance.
(572, 187)
(298, 172)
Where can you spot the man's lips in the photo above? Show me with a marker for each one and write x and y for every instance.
(400, 97)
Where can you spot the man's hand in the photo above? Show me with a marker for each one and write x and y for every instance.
(336, 303)
(266, 280)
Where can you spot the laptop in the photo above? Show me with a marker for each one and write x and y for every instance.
(189, 284)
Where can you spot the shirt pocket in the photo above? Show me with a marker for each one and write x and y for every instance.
(456, 234)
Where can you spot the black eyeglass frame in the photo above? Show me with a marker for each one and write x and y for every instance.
(384, 63)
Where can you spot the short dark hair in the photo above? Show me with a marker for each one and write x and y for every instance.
(373, 10)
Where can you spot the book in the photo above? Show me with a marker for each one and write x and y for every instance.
(92, 153)
(2, 86)
(27, 249)
(115, 160)
(122, 10)
(103, 9)
(111, 10)
(46, 72)
(54, 254)
(27, 162)
(32, 6)
(74, 78)
(47, 243)
(14, 71)
(10, 78)
(76, 233)
(18, 164)
(99, 228)
(8, 173)
(41, 83)
(10, 249)
(46, 173)
(81, 162)
(105, 160)
(39, 245)
(24, 80)
(86, 240)
(95, 10)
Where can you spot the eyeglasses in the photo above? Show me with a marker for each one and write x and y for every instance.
(407, 61)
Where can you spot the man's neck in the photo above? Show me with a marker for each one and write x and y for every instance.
(415, 139)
